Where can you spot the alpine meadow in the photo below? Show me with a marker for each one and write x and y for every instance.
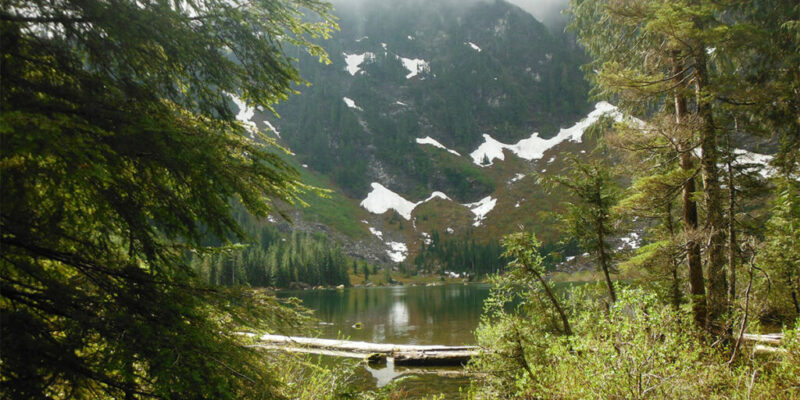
(408, 199)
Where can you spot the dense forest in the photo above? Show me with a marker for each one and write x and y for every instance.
(121, 153)
(720, 255)
(464, 255)
(277, 260)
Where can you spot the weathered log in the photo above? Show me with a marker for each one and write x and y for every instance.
(376, 359)
(771, 338)
(309, 350)
(402, 354)
(760, 348)
(355, 346)
(430, 358)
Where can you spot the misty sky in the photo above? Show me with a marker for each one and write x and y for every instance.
(546, 11)
(543, 10)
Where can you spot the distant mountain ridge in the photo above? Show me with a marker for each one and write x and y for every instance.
(410, 71)
(423, 98)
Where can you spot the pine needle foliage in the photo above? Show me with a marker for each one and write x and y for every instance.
(120, 153)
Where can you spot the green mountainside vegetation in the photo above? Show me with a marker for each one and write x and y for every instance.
(277, 260)
(524, 79)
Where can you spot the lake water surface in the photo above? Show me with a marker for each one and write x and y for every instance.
(424, 315)
(445, 314)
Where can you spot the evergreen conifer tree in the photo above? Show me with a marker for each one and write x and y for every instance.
(120, 153)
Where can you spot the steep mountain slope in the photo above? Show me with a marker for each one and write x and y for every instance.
(408, 123)
(415, 70)
(429, 126)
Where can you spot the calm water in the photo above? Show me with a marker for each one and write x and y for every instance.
(445, 315)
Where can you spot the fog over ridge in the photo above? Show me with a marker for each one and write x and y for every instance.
(546, 11)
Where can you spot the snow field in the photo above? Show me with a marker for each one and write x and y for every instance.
(352, 104)
(431, 141)
(534, 147)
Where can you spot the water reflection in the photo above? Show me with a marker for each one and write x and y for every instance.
(445, 315)
(399, 314)
(385, 374)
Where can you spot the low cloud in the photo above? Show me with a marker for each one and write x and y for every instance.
(546, 11)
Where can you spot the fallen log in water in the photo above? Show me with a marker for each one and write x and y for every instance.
(403, 354)
(355, 346)
(431, 358)
(414, 355)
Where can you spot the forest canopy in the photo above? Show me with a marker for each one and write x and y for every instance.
(719, 255)
(120, 154)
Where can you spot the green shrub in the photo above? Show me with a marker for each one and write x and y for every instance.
(637, 348)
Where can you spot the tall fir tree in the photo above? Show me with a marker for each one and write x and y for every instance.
(120, 154)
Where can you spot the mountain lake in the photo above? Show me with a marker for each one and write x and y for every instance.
(419, 315)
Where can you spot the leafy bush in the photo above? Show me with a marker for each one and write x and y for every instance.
(637, 348)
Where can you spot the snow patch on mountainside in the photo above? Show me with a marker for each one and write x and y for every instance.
(415, 66)
(488, 151)
(474, 46)
(376, 232)
(435, 195)
(397, 251)
(758, 161)
(433, 142)
(516, 178)
(352, 104)
(534, 147)
(245, 115)
(272, 128)
(633, 241)
(381, 200)
(753, 161)
(354, 61)
(481, 208)
(426, 238)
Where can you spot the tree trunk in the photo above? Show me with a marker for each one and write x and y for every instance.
(717, 293)
(733, 249)
(676, 285)
(696, 281)
(604, 261)
(554, 300)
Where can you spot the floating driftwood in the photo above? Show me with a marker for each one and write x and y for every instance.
(403, 354)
